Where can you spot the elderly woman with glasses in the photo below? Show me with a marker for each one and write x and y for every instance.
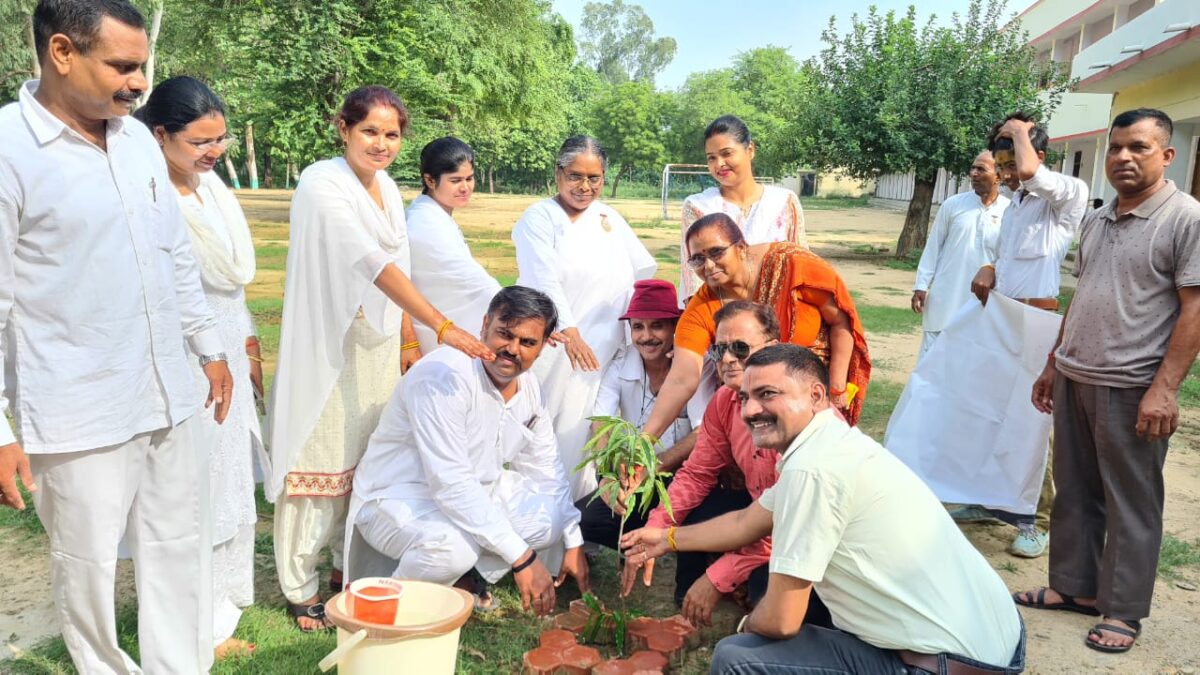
(810, 300)
(584, 255)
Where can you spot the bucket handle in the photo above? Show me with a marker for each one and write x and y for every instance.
(336, 655)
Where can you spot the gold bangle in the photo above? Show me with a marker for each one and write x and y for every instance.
(410, 345)
(442, 329)
(257, 359)
(671, 538)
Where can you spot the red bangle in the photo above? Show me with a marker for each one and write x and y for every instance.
(836, 392)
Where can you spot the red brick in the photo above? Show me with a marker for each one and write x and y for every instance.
(570, 622)
(669, 643)
(578, 606)
(648, 660)
(638, 630)
(579, 660)
(557, 639)
(613, 667)
(541, 661)
(684, 628)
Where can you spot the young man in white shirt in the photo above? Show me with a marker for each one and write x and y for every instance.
(463, 472)
(1035, 235)
(964, 236)
(905, 588)
(98, 290)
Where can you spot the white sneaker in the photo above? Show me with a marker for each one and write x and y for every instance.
(1030, 541)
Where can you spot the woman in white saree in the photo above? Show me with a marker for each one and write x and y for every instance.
(442, 266)
(188, 120)
(583, 254)
(346, 290)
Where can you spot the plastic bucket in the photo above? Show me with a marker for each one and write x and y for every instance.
(424, 638)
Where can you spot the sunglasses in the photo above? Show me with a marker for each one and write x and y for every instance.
(714, 254)
(740, 350)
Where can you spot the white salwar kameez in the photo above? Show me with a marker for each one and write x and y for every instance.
(964, 237)
(218, 228)
(444, 271)
(338, 359)
(456, 477)
(776, 216)
(587, 267)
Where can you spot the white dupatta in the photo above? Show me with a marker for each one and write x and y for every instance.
(220, 269)
(338, 244)
(445, 272)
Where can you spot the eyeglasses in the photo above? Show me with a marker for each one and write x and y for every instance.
(740, 350)
(714, 254)
(218, 143)
(578, 179)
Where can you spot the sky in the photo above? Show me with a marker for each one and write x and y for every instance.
(709, 34)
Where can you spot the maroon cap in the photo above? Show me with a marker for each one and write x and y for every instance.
(653, 299)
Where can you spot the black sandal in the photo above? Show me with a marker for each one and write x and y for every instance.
(314, 611)
(1068, 603)
(473, 583)
(1111, 628)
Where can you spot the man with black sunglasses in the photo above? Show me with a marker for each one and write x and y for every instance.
(724, 447)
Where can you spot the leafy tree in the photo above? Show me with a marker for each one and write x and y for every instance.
(890, 96)
(17, 60)
(617, 40)
(630, 120)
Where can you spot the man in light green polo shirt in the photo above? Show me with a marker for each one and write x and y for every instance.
(903, 585)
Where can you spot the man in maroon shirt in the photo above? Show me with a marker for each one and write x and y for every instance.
(724, 447)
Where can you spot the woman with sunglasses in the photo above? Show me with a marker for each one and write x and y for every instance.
(810, 299)
(584, 255)
(188, 120)
(764, 213)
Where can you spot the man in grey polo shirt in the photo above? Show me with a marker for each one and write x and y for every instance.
(1127, 341)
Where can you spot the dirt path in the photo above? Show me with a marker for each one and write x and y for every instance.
(1169, 644)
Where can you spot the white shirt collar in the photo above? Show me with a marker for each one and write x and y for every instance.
(45, 126)
(632, 368)
(817, 423)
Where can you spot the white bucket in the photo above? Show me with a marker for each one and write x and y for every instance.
(423, 640)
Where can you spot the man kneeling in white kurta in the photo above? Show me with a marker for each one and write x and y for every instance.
(463, 472)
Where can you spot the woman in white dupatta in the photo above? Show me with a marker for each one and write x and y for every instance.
(442, 266)
(765, 213)
(346, 289)
(584, 255)
(188, 120)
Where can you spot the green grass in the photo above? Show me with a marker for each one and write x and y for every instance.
(506, 280)
(667, 254)
(271, 257)
(877, 409)
(1008, 566)
(659, 224)
(21, 523)
(830, 203)
(883, 320)
(1176, 553)
(1064, 298)
(1189, 390)
(908, 263)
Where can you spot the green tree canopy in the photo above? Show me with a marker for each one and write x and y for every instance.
(630, 120)
(890, 96)
(617, 40)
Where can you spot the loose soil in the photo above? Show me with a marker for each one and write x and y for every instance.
(1168, 643)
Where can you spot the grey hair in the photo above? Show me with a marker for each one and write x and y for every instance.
(577, 146)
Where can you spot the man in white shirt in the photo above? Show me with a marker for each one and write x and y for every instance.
(463, 472)
(905, 588)
(98, 290)
(1035, 235)
(964, 237)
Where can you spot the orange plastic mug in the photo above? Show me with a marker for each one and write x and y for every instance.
(375, 600)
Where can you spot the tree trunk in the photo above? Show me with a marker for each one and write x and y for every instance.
(232, 171)
(36, 68)
(290, 171)
(617, 180)
(268, 169)
(155, 29)
(251, 164)
(491, 181)
(916, 223)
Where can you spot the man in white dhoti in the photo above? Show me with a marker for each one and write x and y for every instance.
(98, 292)
(463, 472)
(963, 238)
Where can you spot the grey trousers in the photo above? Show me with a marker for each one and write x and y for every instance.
(1108, 513)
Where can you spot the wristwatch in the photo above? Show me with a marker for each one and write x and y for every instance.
(209, 358)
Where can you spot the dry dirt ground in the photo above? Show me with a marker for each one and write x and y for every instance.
(1169, 643)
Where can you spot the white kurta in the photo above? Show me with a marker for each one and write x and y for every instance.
(232, 445)
(339, 243)
(450, 460)
(625, 391)
(964, 423)
(444, 271)
(963, 238)
(776, 216)
(588, 268)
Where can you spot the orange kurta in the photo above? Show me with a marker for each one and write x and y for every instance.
(795, 282)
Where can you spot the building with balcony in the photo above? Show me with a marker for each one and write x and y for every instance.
(1126, 54)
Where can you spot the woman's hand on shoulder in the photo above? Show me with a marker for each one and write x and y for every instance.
(467, 344)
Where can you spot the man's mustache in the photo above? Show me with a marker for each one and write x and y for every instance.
(128, 95)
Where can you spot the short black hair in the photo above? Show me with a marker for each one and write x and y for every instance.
(518, 303)
(1037, 135)
(1132, 117)
(763, 314)
(798, 360)
(79, 20)
(732, 125)
(443, 156)
(177, 102)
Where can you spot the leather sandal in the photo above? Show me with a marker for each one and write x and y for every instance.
(1068, 603)
(1119, 630)
(315, 611)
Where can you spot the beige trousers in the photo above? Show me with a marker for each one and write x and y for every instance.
(303, 527)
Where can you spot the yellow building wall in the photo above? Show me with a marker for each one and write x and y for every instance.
(1176, 93)
(838, 184)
